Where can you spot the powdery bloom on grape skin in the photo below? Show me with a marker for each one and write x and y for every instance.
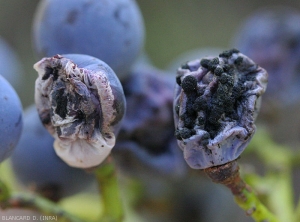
(81, 106)
(215, 106)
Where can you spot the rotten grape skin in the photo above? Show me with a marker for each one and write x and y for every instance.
(112, 31)
(81, 103)
(36, 165)
(215, 105)
(11, 119)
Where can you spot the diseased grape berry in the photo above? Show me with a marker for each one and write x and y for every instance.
(112, 31)
(146, 141)
(226, 108)
(81, 103)
(36, 165)
(11, 120)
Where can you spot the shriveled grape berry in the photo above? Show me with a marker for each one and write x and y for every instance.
(223, 124)
(146, 142)
(81, 103)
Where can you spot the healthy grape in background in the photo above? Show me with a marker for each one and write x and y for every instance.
(11, 120)
(112, 31)
(37, 166)
(271, 37)
(10, 65)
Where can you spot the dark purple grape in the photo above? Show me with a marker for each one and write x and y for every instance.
(112, 31)
(271, 37)
(10, 65)
(146, 140)
(11, 121)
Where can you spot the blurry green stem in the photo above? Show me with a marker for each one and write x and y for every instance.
(279, 161)
(228, 175)
(297, 212)
(33, 202)
(280, 196)
(109, 191)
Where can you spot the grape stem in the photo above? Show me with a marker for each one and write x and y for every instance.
(109, 195)
(228, 175)
(33, 202)
(109, 191)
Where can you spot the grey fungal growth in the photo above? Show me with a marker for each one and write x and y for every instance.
(81, 103)
(216, 102)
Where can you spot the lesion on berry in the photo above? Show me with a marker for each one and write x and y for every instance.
(80, 109)
(217, 101)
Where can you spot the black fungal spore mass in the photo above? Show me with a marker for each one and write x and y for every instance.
(222, 100)
(189, 84)
(215, 106)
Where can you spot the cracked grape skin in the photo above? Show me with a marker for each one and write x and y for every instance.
(216, 103)
(36, 165)
(11, 119)
(81, 103)
(112, 31)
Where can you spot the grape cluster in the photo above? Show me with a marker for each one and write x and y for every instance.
(91, 96)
